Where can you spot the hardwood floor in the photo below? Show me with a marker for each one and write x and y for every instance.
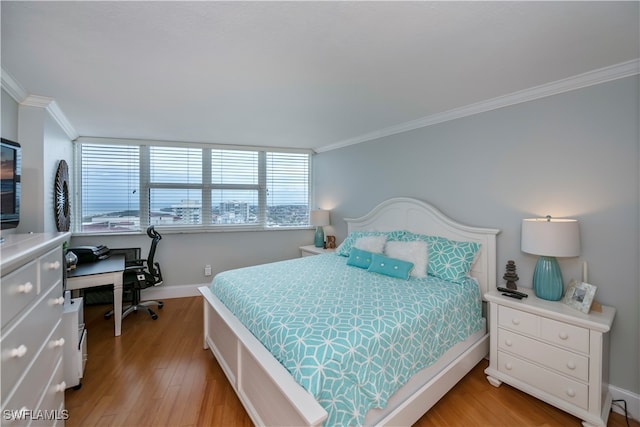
(157, 374)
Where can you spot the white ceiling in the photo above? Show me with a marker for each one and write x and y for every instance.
(296, 74)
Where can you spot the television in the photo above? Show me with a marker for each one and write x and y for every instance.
(10, 160)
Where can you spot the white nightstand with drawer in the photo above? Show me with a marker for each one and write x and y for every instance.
(553, 352)
(312, 250)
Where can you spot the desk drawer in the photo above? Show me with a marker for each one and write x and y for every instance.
(19, 288)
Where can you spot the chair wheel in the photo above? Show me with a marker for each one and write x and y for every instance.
(160, 304)
(107, 316)
(154, 316)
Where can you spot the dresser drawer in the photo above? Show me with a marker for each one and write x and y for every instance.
(53, 400)
(19, 288)
(569, 363)
(555, 384)
(569, 336)
(525, 323)
(22, 342)
(50, 269)
(32, 386)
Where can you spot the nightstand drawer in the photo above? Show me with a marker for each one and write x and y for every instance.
(572, 364)
(569, 336)
(520, 321)
(555, 384)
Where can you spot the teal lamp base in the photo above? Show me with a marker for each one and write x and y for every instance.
(318, 239)
(547, 279)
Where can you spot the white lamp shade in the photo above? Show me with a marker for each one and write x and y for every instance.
(319, 218)
(550, 237)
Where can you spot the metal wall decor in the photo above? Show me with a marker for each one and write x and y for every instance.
(62, 210)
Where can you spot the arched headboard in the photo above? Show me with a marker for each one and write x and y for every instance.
(404, 213)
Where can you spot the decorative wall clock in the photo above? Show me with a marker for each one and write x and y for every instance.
(62, 210)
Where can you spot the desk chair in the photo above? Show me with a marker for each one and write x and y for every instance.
(140, 274)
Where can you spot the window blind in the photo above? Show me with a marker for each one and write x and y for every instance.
(127, 187)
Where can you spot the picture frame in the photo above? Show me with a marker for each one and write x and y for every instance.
(580, 295)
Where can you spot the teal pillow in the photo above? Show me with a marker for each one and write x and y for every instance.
(345, 247)
(390, 266)
(359, 258)
(449, 260)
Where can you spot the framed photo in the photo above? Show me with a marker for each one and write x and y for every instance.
(580, 295)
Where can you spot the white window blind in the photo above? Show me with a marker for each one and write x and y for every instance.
(109, 184)
(127, 187)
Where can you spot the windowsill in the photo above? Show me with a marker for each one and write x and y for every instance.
(196, 230)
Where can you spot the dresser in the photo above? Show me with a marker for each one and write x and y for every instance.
(31, 339)
(553, 352)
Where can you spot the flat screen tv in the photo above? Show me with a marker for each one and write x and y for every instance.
(10, 183)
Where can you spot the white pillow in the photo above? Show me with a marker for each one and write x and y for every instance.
(415, 252)
(373, 244)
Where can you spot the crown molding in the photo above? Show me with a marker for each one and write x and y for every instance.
(12, 87)
(590, 78)
(51, 106)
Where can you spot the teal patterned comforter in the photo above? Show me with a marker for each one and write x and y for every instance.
(348, 336)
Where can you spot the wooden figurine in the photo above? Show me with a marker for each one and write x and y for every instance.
(331, 242)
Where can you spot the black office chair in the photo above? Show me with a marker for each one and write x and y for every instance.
(141, 274)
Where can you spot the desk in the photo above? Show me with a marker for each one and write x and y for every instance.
(105, 272)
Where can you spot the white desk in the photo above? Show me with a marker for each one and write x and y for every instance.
(105, 272)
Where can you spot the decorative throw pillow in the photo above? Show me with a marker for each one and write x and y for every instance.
(390, 266)
(415, 252)
(448, 259)
(359, 258)
(344, 249)
(451, 260)
(371, 243)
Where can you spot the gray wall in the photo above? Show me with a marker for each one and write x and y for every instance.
(570, 155)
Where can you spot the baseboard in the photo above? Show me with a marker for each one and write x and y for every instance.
(182, 291)
(168, 292)
(632, 399)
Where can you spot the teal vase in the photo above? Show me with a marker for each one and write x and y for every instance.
(547, 279)
(319, 237)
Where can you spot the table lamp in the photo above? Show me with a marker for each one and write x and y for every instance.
(549, 238)
(319, 218)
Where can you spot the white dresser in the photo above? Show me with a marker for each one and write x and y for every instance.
(553, 352)
(31, 340)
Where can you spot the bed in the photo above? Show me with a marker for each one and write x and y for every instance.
(268, 390)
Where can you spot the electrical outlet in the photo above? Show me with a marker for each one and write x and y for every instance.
(207, 270)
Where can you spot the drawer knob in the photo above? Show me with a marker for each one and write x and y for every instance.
(61, 387)
(25, 288)
(57, 301)
(18, 352)
(563, 335)
(53, 265)
(571, 392)
(58, 342)
(508, 343)
(508, 366)
(571, 365)
(515, 321)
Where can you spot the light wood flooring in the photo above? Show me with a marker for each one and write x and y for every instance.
(157, 374)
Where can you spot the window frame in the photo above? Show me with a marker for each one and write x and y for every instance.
(206, 186)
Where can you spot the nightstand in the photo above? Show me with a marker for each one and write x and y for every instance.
(312, 250)
(553, 352)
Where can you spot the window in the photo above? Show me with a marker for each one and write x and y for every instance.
(124, 187)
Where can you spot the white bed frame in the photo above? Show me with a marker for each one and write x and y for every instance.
(269, 393)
